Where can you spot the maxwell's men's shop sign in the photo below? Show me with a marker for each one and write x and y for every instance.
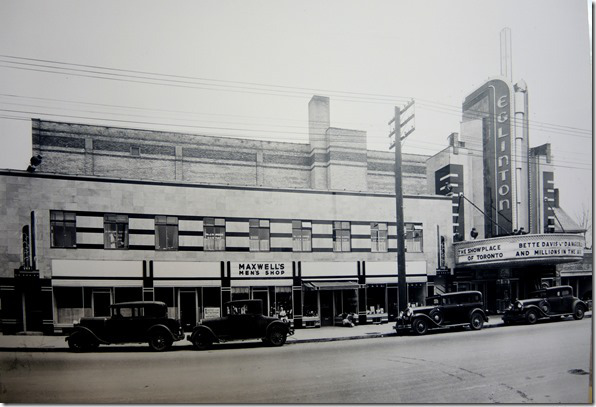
(556, 248)
(261, 270)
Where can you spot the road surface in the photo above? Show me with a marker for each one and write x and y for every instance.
(545, 363)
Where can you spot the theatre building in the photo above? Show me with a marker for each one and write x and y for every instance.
(115, 214)
(509, 232)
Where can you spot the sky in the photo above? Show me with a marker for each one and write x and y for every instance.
(249, 68)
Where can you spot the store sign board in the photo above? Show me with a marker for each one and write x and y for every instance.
(261, 269)
(520, 248)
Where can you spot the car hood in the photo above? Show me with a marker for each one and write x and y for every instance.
(424, 309)
(531, 301)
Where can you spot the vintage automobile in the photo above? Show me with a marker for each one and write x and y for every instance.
(243, 319)
(552, 303)
(129, 322)
(443, 311)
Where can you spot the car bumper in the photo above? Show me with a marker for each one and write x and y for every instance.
(402, 325)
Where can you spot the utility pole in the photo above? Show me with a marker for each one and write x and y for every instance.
(399, 202)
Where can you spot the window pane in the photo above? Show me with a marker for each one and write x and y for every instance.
(307, 240)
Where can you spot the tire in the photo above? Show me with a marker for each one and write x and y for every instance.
(202, 340)
(544, 306)
(436, 316)
(160, 341)
(579, 312)
(419, 326)
(277, 336)
(531, 317)
(476, 321)
(80, 342)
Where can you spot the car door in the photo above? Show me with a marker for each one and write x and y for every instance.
(566, 300)
(451, 309)
(553, 296)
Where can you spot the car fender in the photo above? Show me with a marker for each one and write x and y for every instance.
(579, 302)
(160, 327)
(86, 331)
(481, 311)
(426, 317)
(273, 324)
(536, 308)
(203, 328)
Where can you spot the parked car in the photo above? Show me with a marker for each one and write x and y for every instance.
(552, 303)
(442, 311)
(129, 322)
(242, 320)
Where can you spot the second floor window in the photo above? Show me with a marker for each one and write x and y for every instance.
(63, 229)
(214, 234)
(115, 231)
(378, 237)
(413, 237)
(259, 235)
(301, 236)
(341, 237)
(166, 233)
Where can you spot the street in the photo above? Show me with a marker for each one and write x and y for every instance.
(545, 363)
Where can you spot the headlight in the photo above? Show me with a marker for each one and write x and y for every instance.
(518, 305)
(401, 314)
(409, 312)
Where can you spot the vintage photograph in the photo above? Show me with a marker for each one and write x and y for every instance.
(296, 202)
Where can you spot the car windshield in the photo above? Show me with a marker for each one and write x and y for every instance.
(433, 301)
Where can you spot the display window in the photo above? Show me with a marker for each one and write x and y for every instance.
(69, 304)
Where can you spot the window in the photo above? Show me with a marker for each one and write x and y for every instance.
(115, 231)
(63, 229)
(378, 237)
(413, 237)
(301, 236)
(341, 237)
(136, 151)
(166, 233)
(214, 234)
(259, 235)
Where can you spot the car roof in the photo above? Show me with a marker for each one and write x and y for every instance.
(459, 293)
(138, 304)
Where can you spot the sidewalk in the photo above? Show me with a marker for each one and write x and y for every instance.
(305, 335)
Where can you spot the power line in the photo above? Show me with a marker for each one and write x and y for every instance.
(295, 91)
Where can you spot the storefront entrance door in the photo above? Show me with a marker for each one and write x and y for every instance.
(188, 309)
(326, 307)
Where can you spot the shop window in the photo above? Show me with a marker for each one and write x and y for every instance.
(376, 298)
(211, 302)
(282, 307)
(63, 229)
(341, 237)
(378, 237)
(259, 235)
(310, 305)
(413, 237)
(301, 236)
(127, 294)
(166, 294)
(166, 233)
(214, 234)
(349, 301)
(69, 304)
(262, 293)
(115, 231)
(240, 293)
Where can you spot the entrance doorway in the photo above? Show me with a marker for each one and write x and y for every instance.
(188, 309)
(326, 307)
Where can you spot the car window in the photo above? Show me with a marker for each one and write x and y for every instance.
(565, 292)
(433, 301)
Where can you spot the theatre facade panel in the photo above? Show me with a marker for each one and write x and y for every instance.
(75, 244)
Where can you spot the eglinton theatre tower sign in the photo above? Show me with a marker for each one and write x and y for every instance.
(519, 250)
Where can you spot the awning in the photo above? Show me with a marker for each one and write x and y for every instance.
(331, 285)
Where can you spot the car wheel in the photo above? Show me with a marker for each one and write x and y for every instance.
(160, 341)
(545, 307)
(277, 336)
(436, 316)
(476, 321)
(579, 312)
(202, 340)
(531, 317)
(79, 342)
(420, 326)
